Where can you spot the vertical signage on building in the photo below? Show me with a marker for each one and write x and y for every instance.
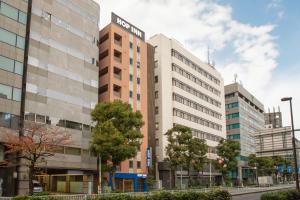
(149, 157)
(127, 26)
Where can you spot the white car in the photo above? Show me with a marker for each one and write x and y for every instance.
(37, 187)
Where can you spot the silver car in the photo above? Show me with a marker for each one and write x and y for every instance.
(37, 187)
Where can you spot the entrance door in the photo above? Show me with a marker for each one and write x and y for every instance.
(128, 185)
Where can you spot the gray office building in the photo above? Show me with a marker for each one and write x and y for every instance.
(49, 75)
(244, 117)
(273, 119)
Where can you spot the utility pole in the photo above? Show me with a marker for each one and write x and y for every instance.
(294, 141)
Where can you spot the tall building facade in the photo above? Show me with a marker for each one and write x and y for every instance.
(276, 142)
(273, 119)
(54, 81)
(187, 92)
(13, 20)
(244, 117)
(123, 76)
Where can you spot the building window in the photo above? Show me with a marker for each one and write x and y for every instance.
(73, 151)
(117, 73)
(156, 79)
(103, 89)
(138, 96)
(233, 115)
(13, 13)
(130, 45)
(130, 77)
(138, 49)
(232, 105)
(117, 56)
(233, 126)
(156, 110)
(138, 80)
(155, 64)
(12, 38)
(130, 94)
(8, 92)
(103, 71)
(118, 39)
(139, 166)
(16, 94)
(130, 164)
(9, 121)
(130, 61)
(156, 94)
(103, 55)
(156, 125)
(138, 64)
(104, 38)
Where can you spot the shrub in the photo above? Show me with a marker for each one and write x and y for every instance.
(282, 195)
(187, 195)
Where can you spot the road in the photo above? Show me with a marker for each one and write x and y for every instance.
(254, 196)
(251, 196)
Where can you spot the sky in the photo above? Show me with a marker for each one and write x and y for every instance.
(258, 40)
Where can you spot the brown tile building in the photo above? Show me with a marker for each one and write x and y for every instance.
(123, 75)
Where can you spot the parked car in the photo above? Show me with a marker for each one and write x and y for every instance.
(37, 187)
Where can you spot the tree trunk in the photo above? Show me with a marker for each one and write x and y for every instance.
(113, 182)
(189, 175)
(31, 175)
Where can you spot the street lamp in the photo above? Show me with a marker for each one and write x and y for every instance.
(294, 143)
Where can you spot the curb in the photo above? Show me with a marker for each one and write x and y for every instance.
(261, 191)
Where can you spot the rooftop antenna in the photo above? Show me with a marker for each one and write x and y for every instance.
(235, 77)
(278, 108)
(208, 55)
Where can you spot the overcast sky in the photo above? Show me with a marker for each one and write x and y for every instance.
(256, 39)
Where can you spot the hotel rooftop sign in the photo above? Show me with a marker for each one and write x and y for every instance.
(127, 26)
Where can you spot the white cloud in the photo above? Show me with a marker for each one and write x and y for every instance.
(198, 24)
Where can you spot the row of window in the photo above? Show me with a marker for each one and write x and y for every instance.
(9, 92)
(72, 151)
(9, 120)
(138, 49)
(59, 22)
(232, 115)
(138, 164)
(45, 65)
(61, 47)
(196, 67)
(232, 105)
(11, 65)
(61, 96)
(196, 119)
(232, 126)
(195, 92)
(74, 7)
(138, 63)
(13, 13)
(204, 135)
(57, 122)
(193, 78)
(12, 38)
(197, 106)
(138, 96)
(234, 136)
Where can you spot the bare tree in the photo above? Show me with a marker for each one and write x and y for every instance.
(38, 142)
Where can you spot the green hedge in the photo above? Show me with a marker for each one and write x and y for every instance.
(188, 195)
(282, 195)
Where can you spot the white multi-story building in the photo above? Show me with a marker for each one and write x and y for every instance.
(187, 92)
